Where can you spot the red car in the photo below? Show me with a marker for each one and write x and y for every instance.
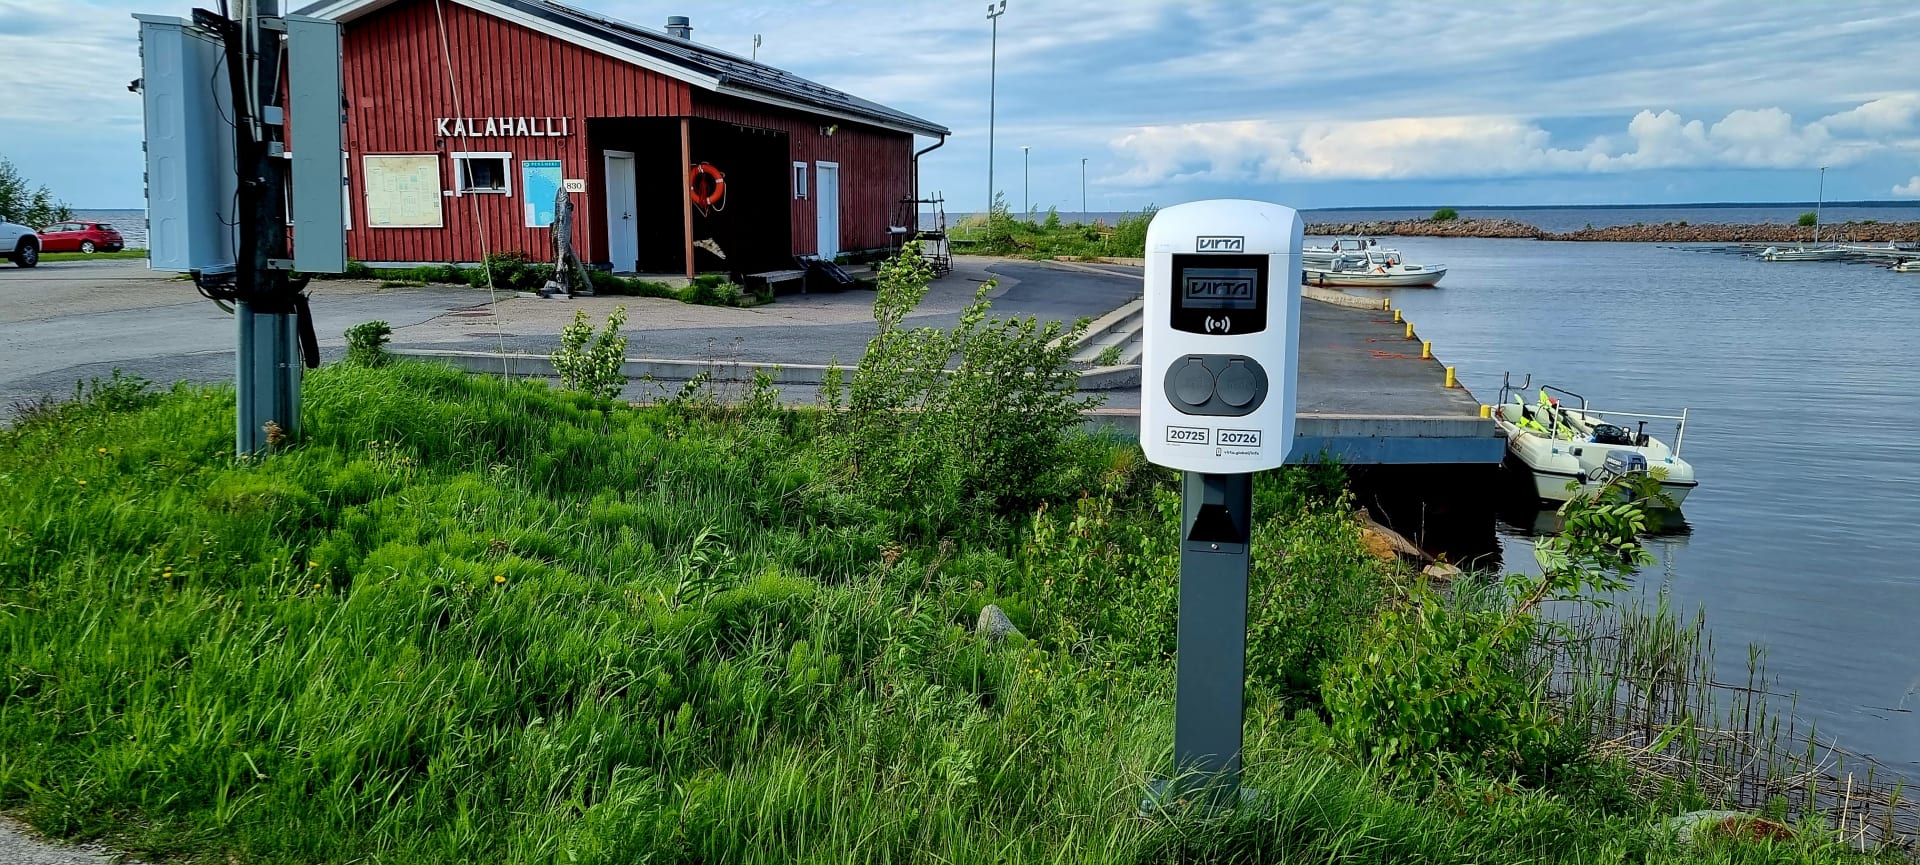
(81, 237)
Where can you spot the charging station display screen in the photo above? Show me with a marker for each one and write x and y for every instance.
(1219, 287)
(1219, 295)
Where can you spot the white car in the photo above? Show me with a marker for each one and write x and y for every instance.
(19, 243)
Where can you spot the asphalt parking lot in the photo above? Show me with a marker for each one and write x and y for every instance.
(64, 322)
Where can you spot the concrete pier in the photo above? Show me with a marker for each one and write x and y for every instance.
(1366, 397)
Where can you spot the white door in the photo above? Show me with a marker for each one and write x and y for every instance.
(826, 202)
(623, 231)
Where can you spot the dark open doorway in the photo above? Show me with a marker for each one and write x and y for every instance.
(750, 225)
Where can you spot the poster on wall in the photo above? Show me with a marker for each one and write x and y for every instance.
(540, 178)
(403, 191)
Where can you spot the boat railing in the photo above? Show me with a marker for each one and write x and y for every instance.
(1562, 390)
(1679, 427)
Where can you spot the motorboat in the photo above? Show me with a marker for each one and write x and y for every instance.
(1343, 245)
(1373, 268)
(1572, 450)
(1911, 265)
(1803, 253)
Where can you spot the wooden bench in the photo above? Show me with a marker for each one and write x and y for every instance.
(771, 280)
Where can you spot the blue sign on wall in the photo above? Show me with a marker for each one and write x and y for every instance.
(540, 178)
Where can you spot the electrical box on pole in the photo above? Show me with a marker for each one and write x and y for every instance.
(315, 108)
(1220, 344)
(191, 174)
(216, 124)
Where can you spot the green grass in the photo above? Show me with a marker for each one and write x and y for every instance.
(467, 621)
(1000, 233)
(97, 256)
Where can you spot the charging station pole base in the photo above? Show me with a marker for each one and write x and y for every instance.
(267, 376)
(1211, 661)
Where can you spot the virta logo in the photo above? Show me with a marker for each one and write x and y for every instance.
(1220, 244)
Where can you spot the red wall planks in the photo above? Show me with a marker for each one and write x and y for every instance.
(395, 66)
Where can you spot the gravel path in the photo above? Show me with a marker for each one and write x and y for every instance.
(19, 846)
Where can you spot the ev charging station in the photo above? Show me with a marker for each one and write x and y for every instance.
(1217, 369)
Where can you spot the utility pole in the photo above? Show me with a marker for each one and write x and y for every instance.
(1083, 189)
(1025, 162)
(273, 328)
(268, 369)
(993, 61)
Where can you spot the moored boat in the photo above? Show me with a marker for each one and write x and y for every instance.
(1803, 253)
(1570, 451)
(1373, 268)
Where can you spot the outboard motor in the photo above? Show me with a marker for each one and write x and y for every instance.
(1619, 464)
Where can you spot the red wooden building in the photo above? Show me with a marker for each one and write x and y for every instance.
(464, 117)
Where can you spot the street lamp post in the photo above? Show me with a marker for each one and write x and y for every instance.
(1025, 161)
(993, 59)
(1083, 189)
(1818, 203)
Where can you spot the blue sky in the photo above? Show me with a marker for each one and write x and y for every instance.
(1309, 104)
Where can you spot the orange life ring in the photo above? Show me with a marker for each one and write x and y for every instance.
(715, 183)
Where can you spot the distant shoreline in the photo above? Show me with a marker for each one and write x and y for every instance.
(1672, 232)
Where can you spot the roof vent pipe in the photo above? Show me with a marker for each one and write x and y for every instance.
(679, 27)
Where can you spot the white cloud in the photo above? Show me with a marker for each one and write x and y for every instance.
(1500, 146)
(1910, 188)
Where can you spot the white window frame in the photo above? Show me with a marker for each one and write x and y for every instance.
(460, 175)
(802, 180)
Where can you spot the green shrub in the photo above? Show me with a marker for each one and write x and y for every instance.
(1445, 214)
(593, 364)
(984, 437)
(367, 343)
(1809, 219)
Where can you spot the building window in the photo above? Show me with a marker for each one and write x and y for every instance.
(482, 172)
(799, 180)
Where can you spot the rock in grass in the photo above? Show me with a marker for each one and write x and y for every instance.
(1695, 826)
(1441, 572)
(994, 624)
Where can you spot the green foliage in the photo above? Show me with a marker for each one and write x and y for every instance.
(470, 620)
(367, 343)
(1808, 219)
(711, 289)
(592, 364)
(23, 203)
(1445, 214)
(958, 424)
(997, 232)
(1108, 356)
(1442, 682)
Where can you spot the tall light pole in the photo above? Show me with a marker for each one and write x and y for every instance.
(1083, 189)
(993, 60)
(1025, 161)
(1818, 202)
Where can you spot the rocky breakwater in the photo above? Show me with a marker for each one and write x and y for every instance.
(1671, 232)
(1680, 232)
(1429, 228)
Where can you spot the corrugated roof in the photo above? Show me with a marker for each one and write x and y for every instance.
(730, 73)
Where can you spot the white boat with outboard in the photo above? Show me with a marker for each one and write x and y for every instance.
(1911, 265)
(1343, 245)
(1803, 253)
(1570, 450)
(1374, 268)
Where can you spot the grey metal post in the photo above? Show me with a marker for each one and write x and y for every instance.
(993, 64)
(1083, 189)
(267, 368)
(267, 376)
(1211, 666)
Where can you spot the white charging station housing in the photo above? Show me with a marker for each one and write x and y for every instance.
(1222, 336)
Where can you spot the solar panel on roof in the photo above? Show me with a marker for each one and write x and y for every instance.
(734, 71)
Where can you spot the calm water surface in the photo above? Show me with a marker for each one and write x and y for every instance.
(1804, 385)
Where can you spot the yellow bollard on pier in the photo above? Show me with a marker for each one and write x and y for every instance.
(1486, 411)
(1451, 380)
(1409, 330)
(1396, 314)
(1386, 303)
(1426, 350)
